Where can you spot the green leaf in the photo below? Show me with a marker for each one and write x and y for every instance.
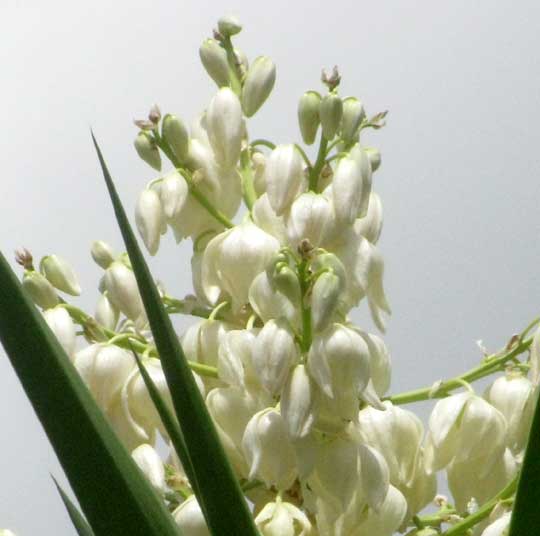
(525, 512)
(226, 510)
(114, 495)
(82, 526)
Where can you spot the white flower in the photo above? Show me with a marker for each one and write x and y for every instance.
(370, 226)
(102, 253)
(147, 150)
(173, 194)
(60, 274)
(190, 519)
(39, 289)
(225, 127)
(273, 355)
(258, 84)
(338, 361)
(348, 188)
(106, 313)
(149, 462)
(380, 368)
(234, 364)
(284, 176)
(149, 219)
(61, 324)
(498, 527)
(282, 519)
(233, 259)
(353, 114)
(514, 396)
(275, 466)
(465, 427)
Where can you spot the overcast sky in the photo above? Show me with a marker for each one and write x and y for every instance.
(459, 181)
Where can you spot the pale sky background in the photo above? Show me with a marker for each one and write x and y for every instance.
(459, 180)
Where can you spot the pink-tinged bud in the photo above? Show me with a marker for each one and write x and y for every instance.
(63, 327)
(225, 127)
(258, 84)
(147, 149)
(284, 176)
(39, 289)
(330, 112)
(149, 219)
(60, 274)
(308, 116)
(176, 135)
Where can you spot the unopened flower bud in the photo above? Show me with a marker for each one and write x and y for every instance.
(39, 289)
(122, 290)
(284, 175)
(276, 467)
(374, 156)
(325, 299)
(308, 116)
(176, 135)
(149, 462)
(60, 274)
(190, 519)
(214, 60)
(353, 115)
(258, 84)
(63, 327)
(348, 189)
(229, 25)
(282, 518)
(330, 112)
(286, 281)
(147, 149)
(149, 219)
(102, 254)
(225, 127)
(499, 527)
(106, 313)
(173, 194)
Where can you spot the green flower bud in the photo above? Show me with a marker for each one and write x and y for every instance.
(176, 135)
(39, 289)
(147, 149)
(229, 25)
(214, 60)
(331, 112)
(60, 274)
(102, 253)
(286, 281)
(353, 115)
(374, 156)
(308, 115)
(258, 84)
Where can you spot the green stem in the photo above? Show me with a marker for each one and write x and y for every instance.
(264, 143)
(248, 188)
(304, 156)
(236, 84)
(319, 163)
(490, 364)
(303, 276)
(484, 511)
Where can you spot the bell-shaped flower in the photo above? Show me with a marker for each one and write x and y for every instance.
(380, 367)
(499, 527)
(106, 313)
(176, 135)
(149, 462)
(146, 148)
(308, 116)
(268, 302)
(225, 127)
(330, 112)
(514, 396)
(231, 409)
(235, 361)
(364, 163)
(102, 253)
(61, 324)
(258, 84)
(190, 519)
(60, 274)
(338, 361)
(201, 341)
(233, 259)
(469, 478)
(282, 519)
(104, 369)
(353, 115)
(311, 217)
(284, 177)
(370, 226)
(149, 219)
(397, 434)
(264, 217)
(275, 467)
(274, 354)
(298, 404)
(465, 427)
(173, 194)
(123, 292)
(214, 60)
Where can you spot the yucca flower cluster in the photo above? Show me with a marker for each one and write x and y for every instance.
(297, 392)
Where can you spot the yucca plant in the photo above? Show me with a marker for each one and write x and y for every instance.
(274, 405)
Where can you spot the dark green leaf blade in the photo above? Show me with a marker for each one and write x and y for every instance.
(80, 524)
(114, 495)
(525, 512)
(225, 508)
